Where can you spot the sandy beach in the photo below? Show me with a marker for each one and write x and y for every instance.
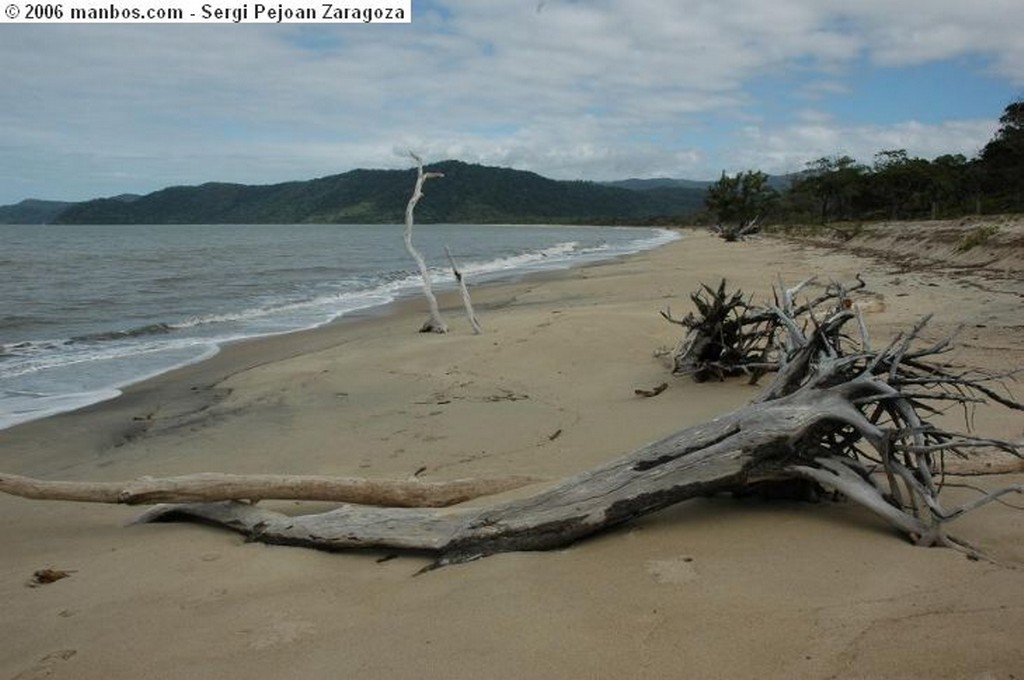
(716, 588)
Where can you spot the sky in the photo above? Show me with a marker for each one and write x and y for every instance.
(570, 89)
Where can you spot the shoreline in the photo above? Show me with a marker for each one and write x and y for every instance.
(205, 350)
(120, 419)
(816, 591)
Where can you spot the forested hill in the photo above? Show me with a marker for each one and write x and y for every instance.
(467, 194)
(32, 211)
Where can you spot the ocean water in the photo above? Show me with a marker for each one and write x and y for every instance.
(86, 310)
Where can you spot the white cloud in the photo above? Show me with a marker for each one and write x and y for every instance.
(788, 149)
(917, 31)
(596, 89)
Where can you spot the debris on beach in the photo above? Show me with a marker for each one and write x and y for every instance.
(42, 577)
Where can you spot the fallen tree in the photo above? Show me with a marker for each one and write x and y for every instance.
(838, 414)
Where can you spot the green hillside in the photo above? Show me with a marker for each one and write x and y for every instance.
(32, 211)
(467, 194)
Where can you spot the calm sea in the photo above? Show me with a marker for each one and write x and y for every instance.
(86, 310)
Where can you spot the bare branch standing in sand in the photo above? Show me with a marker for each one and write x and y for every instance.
(466, 301)
(435, 324)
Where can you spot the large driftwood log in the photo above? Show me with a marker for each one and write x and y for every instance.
(213, 486)
(739, 448)
(837, 413)
(802, 434)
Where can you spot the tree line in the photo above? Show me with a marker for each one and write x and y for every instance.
(896, 186)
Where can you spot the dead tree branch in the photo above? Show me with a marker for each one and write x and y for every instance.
(466, 301)
(435, 324)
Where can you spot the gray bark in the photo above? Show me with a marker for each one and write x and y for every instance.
(212, 486)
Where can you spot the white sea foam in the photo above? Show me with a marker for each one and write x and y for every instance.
(42, 377)
(21, 408)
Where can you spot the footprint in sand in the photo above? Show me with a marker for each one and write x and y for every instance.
(212, 598)
(279, 633)
(47, 665)
(673, 571)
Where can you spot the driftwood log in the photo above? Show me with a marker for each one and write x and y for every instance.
(838, 414)
(213, 486)
(737, 231)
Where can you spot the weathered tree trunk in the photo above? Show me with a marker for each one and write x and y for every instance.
(435, 324)
(206, 487)
(751, 444)
(837, 413)
(784, 438)
(696, 461)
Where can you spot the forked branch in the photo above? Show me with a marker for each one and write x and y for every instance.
(435, 324)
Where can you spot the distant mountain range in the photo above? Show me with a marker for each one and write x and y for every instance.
(658, 183)
(778, 182)
(468, 193)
